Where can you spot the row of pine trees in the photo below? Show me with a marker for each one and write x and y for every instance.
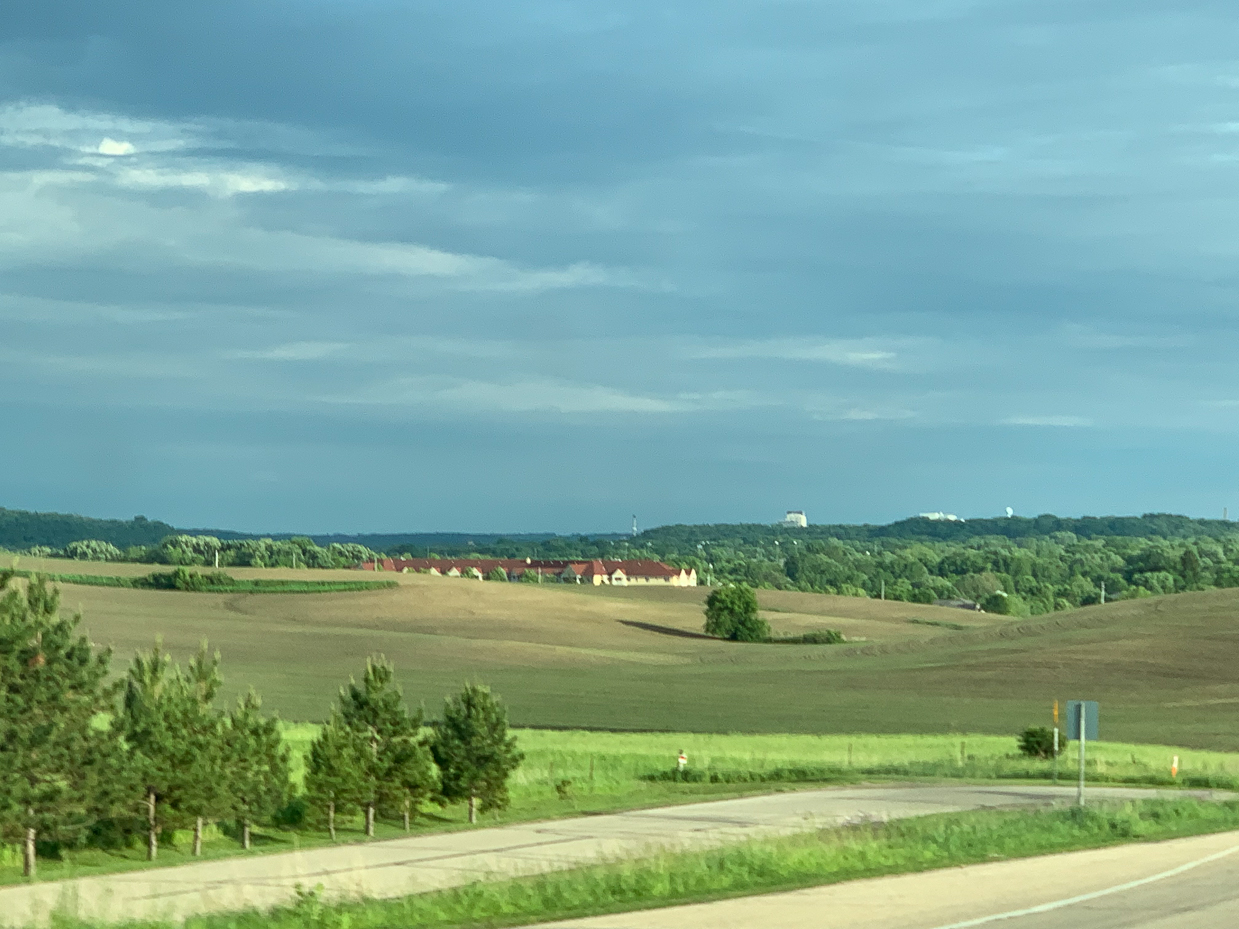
(85, 758)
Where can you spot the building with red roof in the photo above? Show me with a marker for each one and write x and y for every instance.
(630, 572)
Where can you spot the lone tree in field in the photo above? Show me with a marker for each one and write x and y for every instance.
(396, 774)
(58, 772)
(257, 769)
(474, 752)
(731, 613)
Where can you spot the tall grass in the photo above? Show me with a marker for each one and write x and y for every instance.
(758, 866)
(627, 762)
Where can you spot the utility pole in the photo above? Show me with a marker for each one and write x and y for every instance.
(1103, 592)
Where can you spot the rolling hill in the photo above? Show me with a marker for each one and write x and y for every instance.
(1163, 668)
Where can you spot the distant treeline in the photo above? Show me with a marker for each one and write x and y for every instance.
(1013, 564)
(185, 579)
(21, 530)
(1014, 576)
(1150, 525)
(210, 551)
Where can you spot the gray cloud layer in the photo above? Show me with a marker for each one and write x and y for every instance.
(385, 266)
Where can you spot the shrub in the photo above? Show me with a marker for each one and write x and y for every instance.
(1004, 604)
(184, 579)
(821, 637)
(497, 574)
(1037, 742)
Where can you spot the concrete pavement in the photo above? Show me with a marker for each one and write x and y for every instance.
(427, 862)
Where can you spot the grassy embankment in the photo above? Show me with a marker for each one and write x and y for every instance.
(615, 771)
(759, 866)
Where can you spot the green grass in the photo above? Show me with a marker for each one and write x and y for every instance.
(623, 764)
(760, 866)
(611, 771)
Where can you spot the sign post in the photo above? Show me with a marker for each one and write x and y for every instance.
(1082, 725)
(1055, 741)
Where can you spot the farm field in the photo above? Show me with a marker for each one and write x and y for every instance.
(633, 659)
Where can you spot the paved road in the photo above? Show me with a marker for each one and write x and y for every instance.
(402, 866)
(1181, 884)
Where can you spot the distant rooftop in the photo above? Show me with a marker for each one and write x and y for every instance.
(941, 517)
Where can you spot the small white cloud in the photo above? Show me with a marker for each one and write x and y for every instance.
(112, 147)
(292, 351)
(1047, 421)
(865, 415)
(854, 352)
(860, 414)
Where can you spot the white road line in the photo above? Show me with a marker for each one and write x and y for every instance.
(1118, 888)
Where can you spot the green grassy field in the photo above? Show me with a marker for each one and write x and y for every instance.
(623, 762)
(609, 771)
(633, 659)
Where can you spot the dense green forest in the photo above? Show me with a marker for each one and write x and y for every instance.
(1015, 576)
(22, 530)
(1014, 565)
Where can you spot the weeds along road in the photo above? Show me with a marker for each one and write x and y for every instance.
(428, 862)
(1180, 884)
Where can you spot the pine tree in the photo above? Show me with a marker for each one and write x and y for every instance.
(474, 753)
(58, 773)
(398, 774)
(203, 791)
(175, 741)
(257, 763)
(335, 771)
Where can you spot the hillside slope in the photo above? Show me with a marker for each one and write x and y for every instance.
(1163, 668)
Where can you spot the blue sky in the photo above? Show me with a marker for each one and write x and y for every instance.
(373, 266)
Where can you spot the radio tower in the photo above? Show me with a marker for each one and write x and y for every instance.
(634, 525)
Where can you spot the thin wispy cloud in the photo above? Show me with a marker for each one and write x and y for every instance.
(291, 351)
(1063, 421)
(857, 353)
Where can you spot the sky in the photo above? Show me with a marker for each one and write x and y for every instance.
(398, 266)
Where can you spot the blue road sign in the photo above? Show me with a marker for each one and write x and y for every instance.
(1090, 719)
